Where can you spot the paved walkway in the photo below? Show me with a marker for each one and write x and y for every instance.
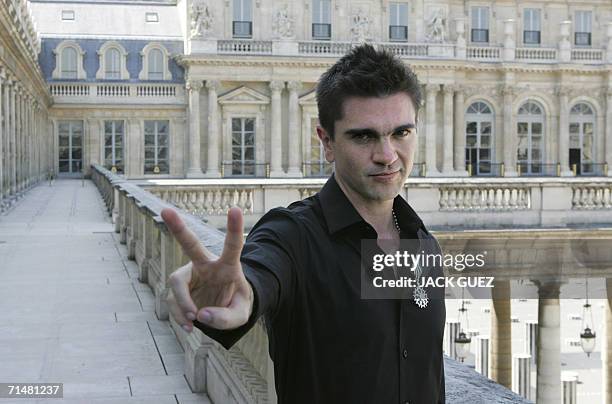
(72, 309)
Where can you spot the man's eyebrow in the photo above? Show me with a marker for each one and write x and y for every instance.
(370, 131)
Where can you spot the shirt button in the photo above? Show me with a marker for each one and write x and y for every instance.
(405, 353)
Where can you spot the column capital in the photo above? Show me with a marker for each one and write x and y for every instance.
(276, 85)
(450, 88)
(431, 88)
(194, 85)
(213, 85)
(294, 85)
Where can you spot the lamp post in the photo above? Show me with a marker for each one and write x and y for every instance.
(587, 336)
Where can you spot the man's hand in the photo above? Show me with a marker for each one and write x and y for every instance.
(211, 289)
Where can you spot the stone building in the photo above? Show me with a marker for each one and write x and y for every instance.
(226, 88)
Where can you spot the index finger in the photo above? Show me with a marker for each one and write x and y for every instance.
(186, 238)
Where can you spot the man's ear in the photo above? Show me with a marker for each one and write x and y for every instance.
(327, 143)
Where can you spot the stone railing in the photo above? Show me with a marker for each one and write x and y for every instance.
(588, 55)
(441, 202)
(321, 48)
(244, 46)
(485, 53)
(536, 54)
(142, 93)
(244, 374)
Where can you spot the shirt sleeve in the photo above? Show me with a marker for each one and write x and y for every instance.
(269, 259)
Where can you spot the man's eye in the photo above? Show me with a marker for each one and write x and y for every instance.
(403, 133)
(362, 138)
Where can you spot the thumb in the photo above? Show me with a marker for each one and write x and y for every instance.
(233, 238)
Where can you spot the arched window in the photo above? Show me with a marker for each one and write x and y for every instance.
(69, 61)
(479, 138)
(156, 68)
(155, 59)
(581, 147)
(530, 133)
(112, 64)
(112, 57)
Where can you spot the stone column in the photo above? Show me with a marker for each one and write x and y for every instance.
(430, 130)
(276, 141)
(563, 150)
(13, 99)
(18, 138)
(294, 130)
(2, 147)
(459, 129)
(447, 155)
(7, 137)
(212, 168)
(549, 344)
(501, 334)
(509, 132)
(195, 167)
(134, 165)
(606, 351)
(608, 142)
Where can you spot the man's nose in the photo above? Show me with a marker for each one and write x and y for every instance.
(385, 152)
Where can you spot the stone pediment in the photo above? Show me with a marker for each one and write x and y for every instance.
(308, 98)
(244, 95)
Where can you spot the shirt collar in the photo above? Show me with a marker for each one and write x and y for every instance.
(340, 213)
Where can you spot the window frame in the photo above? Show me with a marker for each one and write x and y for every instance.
(396, 8)
(324, 20)
(144, 57)
(483, 17)
(156, 145)
(57, 71)
(534, 23)
(245, 18)
(585, 30)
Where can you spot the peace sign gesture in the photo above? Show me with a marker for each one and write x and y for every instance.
(211, 289)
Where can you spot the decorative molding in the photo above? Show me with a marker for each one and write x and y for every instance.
(57, 72)
(103, 52)
(243, 95)
(146, 51)
(294, 85)
(194, 85)
(213, 85)
(283, 23)
(276, 85)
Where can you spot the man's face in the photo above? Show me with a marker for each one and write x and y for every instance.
(373, 146)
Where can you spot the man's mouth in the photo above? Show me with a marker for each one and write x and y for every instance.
(385, 176)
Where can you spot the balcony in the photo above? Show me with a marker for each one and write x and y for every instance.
(117, 93)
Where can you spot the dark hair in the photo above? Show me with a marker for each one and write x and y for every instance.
(363, 72)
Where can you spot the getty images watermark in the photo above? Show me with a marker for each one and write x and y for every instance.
(418, 269)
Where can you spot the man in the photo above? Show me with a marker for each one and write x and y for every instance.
(300, 266)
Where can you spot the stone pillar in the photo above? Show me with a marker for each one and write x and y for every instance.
(459, 129)
(447, 155)
(276, 141)
(531, 339)
(549, 344)
(482, 355)
(294, 130)
(430, 130)
(7, 137)
(13, 99)
(608, 142)
(212, 167)
(195, 168)
(509, 132)
(606, 351)
(501, 334)
(2, 148)
(18, 138)
(521, 375)
(452, 332)
(563, 150)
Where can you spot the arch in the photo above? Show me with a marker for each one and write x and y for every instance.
(69, 61)
(150, 58)
(479, 137)
(112, 62)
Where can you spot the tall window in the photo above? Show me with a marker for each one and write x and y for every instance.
(70, 138)
(242, 26)
(112, 64)
(581, 152)
(321, 19)
(478, 138)
(582, 28)
(69, 63)
(113, 145)
(480, 24)
(531, 26)
(530, 132)
(156, 68)
(156, 147)
(317, 165)
(398, 21)
(243, 146)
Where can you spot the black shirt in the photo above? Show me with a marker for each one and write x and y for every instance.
(328, 344)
